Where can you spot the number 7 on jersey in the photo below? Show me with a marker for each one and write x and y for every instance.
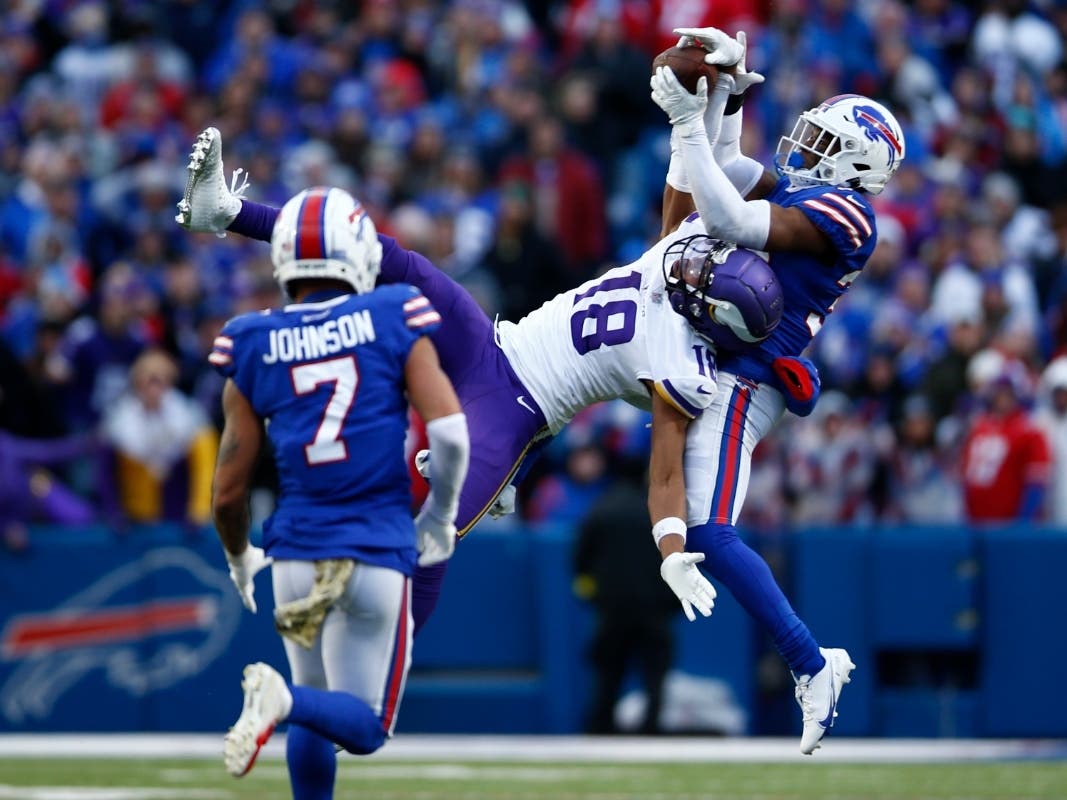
(328, 447)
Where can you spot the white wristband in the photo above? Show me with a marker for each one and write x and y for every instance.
(667, 526)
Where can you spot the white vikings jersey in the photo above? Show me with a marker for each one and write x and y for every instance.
(597, 342)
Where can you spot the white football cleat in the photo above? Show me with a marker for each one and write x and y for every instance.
(817, 697)
(267, 702)
(209, 205)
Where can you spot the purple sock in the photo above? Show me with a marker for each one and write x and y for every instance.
(312, 764)
(339, 716)
(425, 590)
(254, 220)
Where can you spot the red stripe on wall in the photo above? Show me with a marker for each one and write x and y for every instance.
(36, 633)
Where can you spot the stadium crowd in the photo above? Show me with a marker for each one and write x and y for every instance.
(515, 145)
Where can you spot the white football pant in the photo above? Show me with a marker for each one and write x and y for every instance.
(364, 647)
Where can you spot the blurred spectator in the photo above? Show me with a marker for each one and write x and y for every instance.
(164, 448)
(568, 195)
(831, 461)
(564, 496)
(28, 405)
(921, 484)
(1051, 418)
(617, 570)
(527, 265)
(1025, 231)
(944, 384)
(435, 114)
(92, 361)
(30, 492)
(993, 280)
(1005, 461)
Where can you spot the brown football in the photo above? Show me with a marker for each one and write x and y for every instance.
(688, 65)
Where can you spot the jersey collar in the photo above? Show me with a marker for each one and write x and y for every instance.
(321, 297)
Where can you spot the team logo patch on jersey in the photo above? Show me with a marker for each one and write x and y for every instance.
(876, 127)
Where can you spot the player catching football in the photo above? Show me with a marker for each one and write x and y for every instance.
(328, 379)
(814, 221)
(642, 332)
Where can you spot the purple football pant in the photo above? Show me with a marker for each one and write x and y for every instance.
(501, 428)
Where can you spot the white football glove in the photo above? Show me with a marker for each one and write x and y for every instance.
(504, 503)
(436, 538)
(680, 572)
(684, 109)
(243, 569)
(422, 463)
(723, 49)
(743, 78)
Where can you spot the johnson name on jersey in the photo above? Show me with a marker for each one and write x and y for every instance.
(600, 340)
(327, 378)
(810, 285)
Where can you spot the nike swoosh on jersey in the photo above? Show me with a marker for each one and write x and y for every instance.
(315, 317)
(521, 400)
(702, 390)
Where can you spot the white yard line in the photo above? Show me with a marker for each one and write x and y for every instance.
(578, 749)
(128, 793)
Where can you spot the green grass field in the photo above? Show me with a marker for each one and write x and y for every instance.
(149, 779)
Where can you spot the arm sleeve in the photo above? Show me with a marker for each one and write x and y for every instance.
(450, 449)
(724, 212)
(254, 220)
(743, 172)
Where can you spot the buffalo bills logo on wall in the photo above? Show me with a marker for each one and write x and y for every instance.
(876, 127)
(107, 626)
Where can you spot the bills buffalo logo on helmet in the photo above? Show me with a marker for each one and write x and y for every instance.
(876, 127)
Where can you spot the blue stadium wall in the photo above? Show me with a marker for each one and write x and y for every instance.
(952, 630)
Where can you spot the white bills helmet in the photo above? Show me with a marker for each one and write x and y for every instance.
(325, 233)
(848, 140)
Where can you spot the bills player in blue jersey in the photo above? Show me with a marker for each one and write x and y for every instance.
(813, 219)
(327, 379)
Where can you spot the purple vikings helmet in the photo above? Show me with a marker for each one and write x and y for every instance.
(729, 294)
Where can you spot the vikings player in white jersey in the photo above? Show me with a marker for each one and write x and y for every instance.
(616, 336)
(812, 218)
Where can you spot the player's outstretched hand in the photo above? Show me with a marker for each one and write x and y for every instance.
(435, 538)
(682, 107)
(243, 569)
(723, 49)
(743, 78)
(679, 571)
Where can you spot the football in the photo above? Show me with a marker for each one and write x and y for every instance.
(688, 65)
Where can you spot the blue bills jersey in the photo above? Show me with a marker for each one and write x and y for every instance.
(810, 284)
(327, 378)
